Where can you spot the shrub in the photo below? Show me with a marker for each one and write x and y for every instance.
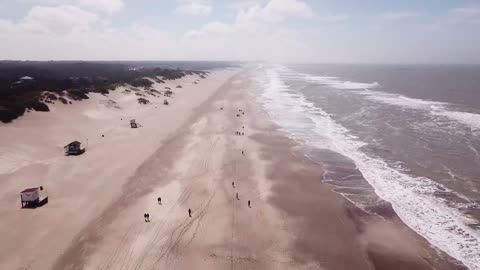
(50, 96)
(143, 101)
(38, 106)
(141, 82)
(76, 94)
(63, 100)
(9, 114)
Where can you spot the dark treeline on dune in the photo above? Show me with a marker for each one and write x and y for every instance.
(23, 83)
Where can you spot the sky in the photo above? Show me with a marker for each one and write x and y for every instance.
(303, 31)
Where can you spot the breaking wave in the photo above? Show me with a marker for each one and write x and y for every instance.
(472, 120)
(411, 197)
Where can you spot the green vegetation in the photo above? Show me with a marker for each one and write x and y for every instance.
(143, 101)
(75, 79)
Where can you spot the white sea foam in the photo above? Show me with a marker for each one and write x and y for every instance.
(403, 101)
(339, 84)
(472, 120)
(411, 197)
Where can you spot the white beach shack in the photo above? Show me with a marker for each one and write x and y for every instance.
(32, 197)
(26, 78)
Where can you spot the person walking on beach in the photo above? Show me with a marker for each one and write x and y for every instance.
(148, 217)
(243, 152)
(237, 197)
(233, 184)
(159, 200)
(189, 212)
(145, 216)
(249, 204)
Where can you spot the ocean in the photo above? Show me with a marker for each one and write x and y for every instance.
(408, 135)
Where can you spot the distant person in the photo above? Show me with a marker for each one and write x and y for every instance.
(243, 152)
(249, 204)
(148, 217)
(233, 184)
(145, 216)
(159, 200)
(189, 212)
(237, 197)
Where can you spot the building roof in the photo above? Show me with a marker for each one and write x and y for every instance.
(73, 143)
(30, 190)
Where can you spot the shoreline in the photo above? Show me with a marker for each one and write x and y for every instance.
(296, 220)
(383, 237)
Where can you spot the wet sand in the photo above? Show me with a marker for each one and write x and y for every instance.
(295, 220)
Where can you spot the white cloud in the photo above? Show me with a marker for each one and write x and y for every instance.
(194, 7)
(469, 14)
(210, 28)
(455, 17)
(334, 18)
(102, 6)
(274, 11)
(255, 18)
(399, 15)
(105, 6)
(469, 11)
(258, 33)
(59, 19)
(256, 30)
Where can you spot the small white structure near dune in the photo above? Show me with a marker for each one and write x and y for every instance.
(24, 79)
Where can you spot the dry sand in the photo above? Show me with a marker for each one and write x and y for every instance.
(188, 157)
(81, 187)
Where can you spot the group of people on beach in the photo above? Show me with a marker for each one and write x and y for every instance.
(236, 195)
(146, 216)
(243, 153)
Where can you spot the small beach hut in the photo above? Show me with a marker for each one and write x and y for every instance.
(133, 124)
(74, 148)
(32, 197)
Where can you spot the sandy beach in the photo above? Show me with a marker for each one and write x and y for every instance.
(188, 153)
